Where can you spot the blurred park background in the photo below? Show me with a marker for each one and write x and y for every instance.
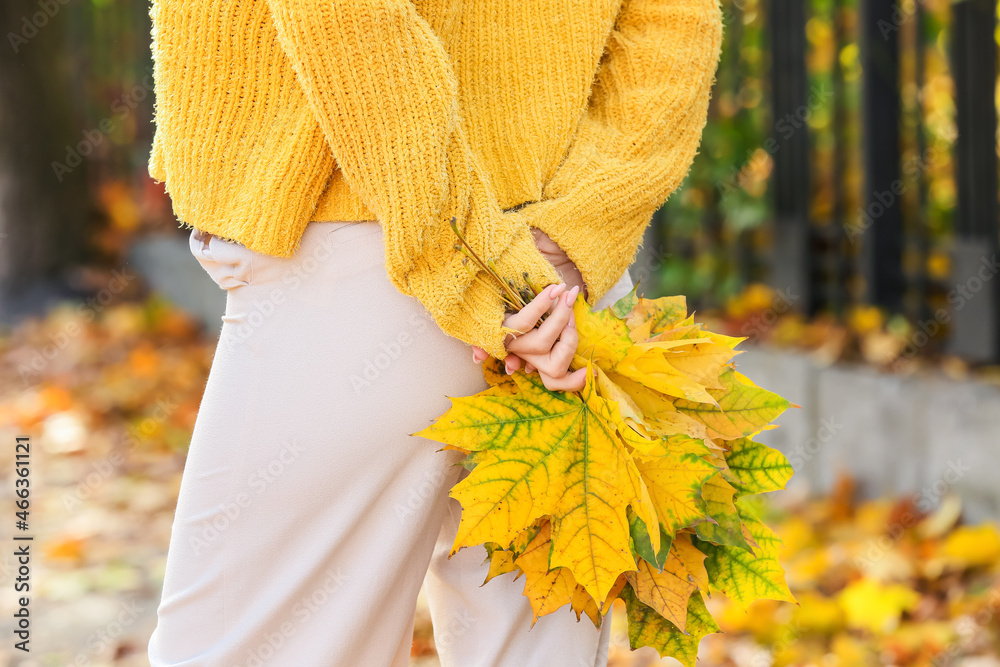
(842, 214)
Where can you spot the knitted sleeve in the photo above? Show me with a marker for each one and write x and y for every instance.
(638, 137)
(384, 92)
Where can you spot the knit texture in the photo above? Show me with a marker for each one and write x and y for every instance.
(585, 115)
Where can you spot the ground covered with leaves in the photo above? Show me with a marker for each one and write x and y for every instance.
(110, 394)
(865, 334)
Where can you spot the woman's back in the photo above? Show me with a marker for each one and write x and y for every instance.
(274, 113)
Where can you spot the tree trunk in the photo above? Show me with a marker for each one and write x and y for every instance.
(45, 210)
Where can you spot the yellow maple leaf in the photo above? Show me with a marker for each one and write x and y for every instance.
(627, 407)
(674, 481)
(603, 337)
(658, 409)
(678, 361)
(552, 454)
(757, 468)
(667, 592)
(582, 603)
(725, 526)
(547, 590)
(496, 375)
(744, 576)
(743, 409)
(702, 355)
(646, 364)
(875, 606)
(973, 546)
(692, 558)
(652, 316)
(501, 562)
(646, 627)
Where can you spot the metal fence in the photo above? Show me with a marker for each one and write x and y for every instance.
(843, 212)
(873, 242)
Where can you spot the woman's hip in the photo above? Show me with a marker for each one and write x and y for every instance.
(329, 313)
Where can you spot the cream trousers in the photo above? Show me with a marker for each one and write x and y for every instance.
(308, 517)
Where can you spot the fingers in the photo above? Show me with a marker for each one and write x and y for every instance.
(574, 381)
(564, 349)
(555, 362)
(548, 349)
(541, 340)
(526, 319)
(512, 363)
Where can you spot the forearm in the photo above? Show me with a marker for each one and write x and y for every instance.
(636, 142)
(383, 91)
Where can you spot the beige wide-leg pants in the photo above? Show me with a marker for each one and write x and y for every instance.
(308, 517)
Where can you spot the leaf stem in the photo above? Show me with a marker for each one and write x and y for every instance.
(510, 295)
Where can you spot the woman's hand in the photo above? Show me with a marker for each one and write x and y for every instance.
(548, 347)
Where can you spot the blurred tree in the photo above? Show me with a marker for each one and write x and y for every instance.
(45, 210)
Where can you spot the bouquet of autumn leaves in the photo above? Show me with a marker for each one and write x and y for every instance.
(634, 487)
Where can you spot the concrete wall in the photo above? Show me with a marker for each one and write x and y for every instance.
(166, 264)
(924, 435)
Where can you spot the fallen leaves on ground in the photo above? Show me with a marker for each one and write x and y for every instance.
(865, 333)
(877, 583)
(113, 452)
(109, 393)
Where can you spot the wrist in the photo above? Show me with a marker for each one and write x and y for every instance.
(564, 266)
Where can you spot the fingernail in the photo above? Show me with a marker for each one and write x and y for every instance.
(571, 296)
(507, 368)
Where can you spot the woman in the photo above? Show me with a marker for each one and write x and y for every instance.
(318, 150)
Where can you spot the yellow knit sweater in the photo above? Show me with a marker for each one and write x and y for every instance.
(586, 114)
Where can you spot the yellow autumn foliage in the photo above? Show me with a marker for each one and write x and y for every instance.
(630, 488)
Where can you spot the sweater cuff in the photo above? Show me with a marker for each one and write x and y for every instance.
(600, 255)
(481, 319)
